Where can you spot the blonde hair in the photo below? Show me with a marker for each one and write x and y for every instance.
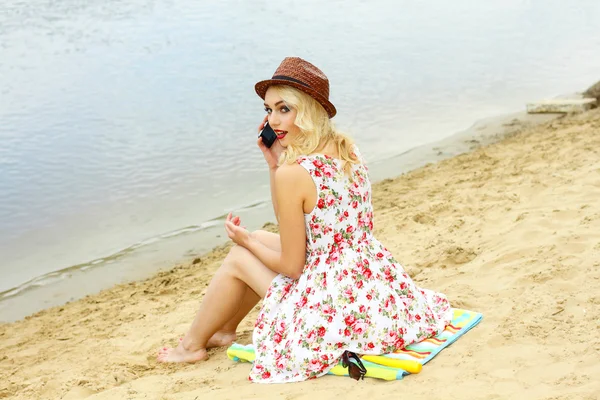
(316, 129)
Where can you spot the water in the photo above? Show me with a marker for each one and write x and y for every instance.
(127, 130)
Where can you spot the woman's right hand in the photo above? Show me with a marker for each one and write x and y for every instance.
(271, 154)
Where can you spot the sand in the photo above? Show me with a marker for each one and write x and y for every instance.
(511, 230)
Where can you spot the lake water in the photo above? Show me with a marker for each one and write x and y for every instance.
(128, 128)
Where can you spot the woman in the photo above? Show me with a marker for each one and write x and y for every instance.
(329, 287)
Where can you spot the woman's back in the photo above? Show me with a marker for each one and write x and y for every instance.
(343, 214)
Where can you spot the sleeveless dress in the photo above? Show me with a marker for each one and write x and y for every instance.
(352, 294)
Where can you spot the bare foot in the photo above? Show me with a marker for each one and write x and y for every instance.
(179, 355)
(220, 339)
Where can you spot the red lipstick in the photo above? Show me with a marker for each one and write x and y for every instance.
(280, 134)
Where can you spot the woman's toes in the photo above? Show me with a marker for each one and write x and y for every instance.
(163, 351)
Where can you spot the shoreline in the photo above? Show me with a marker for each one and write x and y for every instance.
(510, 230)
(75, 282)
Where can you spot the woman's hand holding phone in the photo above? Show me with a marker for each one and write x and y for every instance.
(271, 154)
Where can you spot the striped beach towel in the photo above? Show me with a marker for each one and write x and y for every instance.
(393, 366)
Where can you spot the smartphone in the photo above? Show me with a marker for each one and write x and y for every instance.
(267, 135)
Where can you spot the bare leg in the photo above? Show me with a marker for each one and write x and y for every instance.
(241, 271)
(227, 334)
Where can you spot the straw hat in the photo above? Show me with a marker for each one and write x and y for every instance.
(302, 75)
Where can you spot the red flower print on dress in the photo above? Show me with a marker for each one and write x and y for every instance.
(315, 365)
(302, 302)
(338, 237)
(330, 200)
(359, 327)
(349, 320)
(348, 292)
(328, 172)
(316, 228)
(321, 203)
(311, 337)
(367, 273)
(388, 274)
(328, 309)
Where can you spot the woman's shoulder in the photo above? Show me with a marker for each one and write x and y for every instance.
(291, 171)
(293, 178)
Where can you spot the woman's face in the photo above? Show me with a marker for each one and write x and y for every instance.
(281, 118)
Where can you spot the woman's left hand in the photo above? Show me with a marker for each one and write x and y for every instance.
(238, 234)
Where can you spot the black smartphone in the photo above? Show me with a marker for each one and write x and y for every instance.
(267, 135)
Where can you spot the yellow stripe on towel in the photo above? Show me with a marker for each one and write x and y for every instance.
(414, 367)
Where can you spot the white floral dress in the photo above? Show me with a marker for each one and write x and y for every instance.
(352, 294)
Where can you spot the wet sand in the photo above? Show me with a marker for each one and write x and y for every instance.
(510, 229)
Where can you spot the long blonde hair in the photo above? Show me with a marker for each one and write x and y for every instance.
(316, 129)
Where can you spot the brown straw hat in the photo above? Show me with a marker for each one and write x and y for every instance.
(301, 75)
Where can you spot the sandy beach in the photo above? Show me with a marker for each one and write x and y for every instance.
(511, 230)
